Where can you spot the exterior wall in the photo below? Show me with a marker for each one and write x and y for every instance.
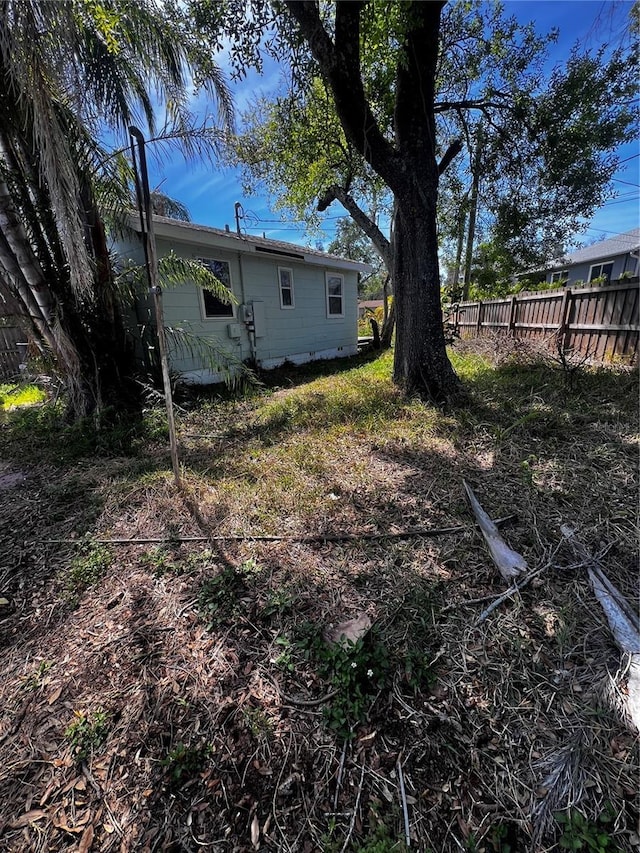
(299, 334)
(580, 272)
(304, 332)
(183, 308)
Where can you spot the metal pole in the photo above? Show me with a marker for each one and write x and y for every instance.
(151, 262)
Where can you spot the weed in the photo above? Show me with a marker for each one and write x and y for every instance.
(250, 568)
(417, 670)
(356, 671)
(88, 567)
(87, 732)
(501, 838)
(184, 762)
(160, 562)
(285, 659)
(380, 840)
(257, 722)
(219, 597)
(35, 681)
(278, 603)
(580, 833)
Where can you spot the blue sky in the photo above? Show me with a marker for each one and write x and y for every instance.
(210, 191)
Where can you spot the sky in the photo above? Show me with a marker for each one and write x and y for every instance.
(210, 191)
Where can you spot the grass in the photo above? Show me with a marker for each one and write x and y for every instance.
(230, 715)
(14, 396)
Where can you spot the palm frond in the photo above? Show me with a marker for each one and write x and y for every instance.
(235, 374)
(164, 205)
(173, 271)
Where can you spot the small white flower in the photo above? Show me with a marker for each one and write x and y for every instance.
(354, 665)
(369, 673)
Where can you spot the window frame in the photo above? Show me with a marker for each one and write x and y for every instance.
(330, 315)
(290, 288)
(203, 306)
(561, 275)
(600, 266)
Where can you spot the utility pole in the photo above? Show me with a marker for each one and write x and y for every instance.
(151, 262)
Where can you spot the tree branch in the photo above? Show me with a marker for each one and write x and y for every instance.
(444, 106)
(337, 193)
(452, 151)
(339, 64)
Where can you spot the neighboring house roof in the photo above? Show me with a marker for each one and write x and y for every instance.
(371, 303)
(189, 231)
(618, 245)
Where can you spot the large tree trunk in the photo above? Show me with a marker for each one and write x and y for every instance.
(408, 165)
(421, 365)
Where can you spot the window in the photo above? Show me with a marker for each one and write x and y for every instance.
(285, 279)
(601, 271)
(335, 295)
(559, 276)
(211, 305)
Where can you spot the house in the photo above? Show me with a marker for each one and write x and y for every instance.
(293, 304)
(609, 259)
(368, 306)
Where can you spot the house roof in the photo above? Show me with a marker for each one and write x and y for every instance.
(189, 231)
(618, 245)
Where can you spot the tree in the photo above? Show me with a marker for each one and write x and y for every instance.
(67, 68)
(515, 180)
(341, 43)
(542, 167)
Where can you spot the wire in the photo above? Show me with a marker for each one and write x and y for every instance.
(619, 201)
(633, 156)
(604, 231)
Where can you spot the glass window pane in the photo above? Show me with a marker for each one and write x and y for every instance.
(214, 307)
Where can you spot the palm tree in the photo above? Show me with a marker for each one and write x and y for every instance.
(68, 69)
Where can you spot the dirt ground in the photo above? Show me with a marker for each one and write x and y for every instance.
(175, 693)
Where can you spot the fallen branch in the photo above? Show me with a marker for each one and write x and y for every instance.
(505, 595)
(403, 801)
(510, 564)
(513, 589)
(355, 812)
(320, 538)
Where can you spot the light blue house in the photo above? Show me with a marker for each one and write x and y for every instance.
(607, 260)
(294, 304)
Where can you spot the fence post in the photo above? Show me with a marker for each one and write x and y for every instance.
(479, 320)
(565, 312)
(513, 309)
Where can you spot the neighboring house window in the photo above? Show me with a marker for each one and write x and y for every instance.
(335, 295)
(601, 270)
(285, 279)
(212, 306)
(559, 276)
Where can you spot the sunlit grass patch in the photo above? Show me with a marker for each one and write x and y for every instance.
(13, 396)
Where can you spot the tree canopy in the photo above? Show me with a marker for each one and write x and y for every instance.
(544, 160)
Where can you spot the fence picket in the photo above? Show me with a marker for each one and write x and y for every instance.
(599, 322)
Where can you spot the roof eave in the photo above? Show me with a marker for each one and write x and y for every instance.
(202, 235)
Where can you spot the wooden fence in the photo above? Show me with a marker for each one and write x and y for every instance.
(10, 353)
(601, 323)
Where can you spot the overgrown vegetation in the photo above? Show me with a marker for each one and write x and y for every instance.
(229, 713)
